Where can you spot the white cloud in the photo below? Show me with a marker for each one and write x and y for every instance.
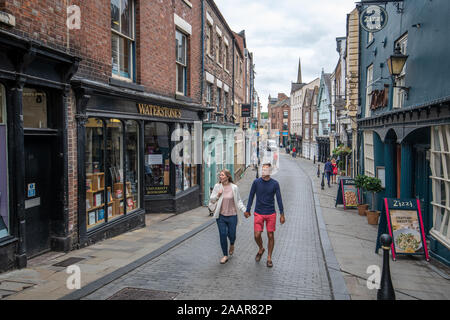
(280, 32)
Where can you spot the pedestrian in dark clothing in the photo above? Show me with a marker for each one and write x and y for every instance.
(328, 170)
(265, 189)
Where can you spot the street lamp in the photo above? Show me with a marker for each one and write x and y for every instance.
(395, 63)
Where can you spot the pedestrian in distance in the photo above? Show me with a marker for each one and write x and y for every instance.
(328, 169)
(265, 189)
(335, 170)
(228, 205)
(294, 152)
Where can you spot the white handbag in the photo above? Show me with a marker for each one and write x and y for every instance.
(212, 206)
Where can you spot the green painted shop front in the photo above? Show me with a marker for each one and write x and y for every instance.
(218, 154)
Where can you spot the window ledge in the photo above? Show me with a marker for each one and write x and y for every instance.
(210, 56)
(120, 82)
(220, 65)
(180, 96)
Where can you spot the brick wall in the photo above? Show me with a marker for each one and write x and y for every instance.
(211, 65)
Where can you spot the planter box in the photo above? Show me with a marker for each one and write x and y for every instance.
(362, 209)
(372, 216)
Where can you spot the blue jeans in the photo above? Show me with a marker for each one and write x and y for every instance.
(227, 229)
(328, 174)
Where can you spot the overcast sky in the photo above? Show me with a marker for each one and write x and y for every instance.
(280, 32)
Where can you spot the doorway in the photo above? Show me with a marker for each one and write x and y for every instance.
(40, 192)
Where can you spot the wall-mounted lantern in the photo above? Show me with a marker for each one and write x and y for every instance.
(395, 63)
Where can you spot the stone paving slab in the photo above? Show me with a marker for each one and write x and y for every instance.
(192, 268)
(353, 241)
(108, 256)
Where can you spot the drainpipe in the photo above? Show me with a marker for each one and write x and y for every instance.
(203, 51)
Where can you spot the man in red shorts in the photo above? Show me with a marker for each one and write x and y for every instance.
(265, 189)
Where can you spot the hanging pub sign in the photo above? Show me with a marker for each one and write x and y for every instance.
(245, 110)
(347, 194)
(405, 226)
(373, 18)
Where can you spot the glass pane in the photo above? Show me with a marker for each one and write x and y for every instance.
(187, 155)
(157, 158)
(132, 161)
(444, 147)
(126, 16)
(178, 166)
(181, 48)
(34, 108)
(115, 53)
(4, 209)
(125, 57)
(445, 222)
(114, 168)
(115, 14)
(437, 141)
(95, 173)
(181, 76)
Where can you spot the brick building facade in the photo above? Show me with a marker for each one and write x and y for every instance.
(98, 105)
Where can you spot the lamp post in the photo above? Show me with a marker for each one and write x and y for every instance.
(396, 63)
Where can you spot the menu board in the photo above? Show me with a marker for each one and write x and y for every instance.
(405, 226)
(347, 193)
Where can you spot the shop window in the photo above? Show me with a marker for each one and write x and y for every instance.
(369, 158)
(34, 108)
(187, 157)
(157, 158)
(440, 168)
(122, 38)
(369, 88)
(4, 209)
(115, 195)
(132, 163)
(95, 173)
(181, 62)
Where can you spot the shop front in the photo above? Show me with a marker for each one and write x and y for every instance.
(135, 156)
(219, 144)
(34, 208)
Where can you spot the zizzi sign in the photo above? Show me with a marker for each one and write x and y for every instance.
(157, 111)
(373, 18)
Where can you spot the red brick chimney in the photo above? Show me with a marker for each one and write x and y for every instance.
(281, 96)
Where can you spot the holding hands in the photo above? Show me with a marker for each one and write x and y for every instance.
(247, 214)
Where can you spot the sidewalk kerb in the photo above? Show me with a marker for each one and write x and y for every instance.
(338, 287)
(99, 283)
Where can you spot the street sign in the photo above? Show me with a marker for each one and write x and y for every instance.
(245, 110)
(348, 194)
(373, 18)
(405, 226)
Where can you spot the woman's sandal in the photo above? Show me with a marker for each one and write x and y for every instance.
(269, 263)
(222, 261)
(259, 255)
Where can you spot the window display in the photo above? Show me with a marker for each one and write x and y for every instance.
(157, 158)
(187, 156)
(132, 161)
(114, 163)
(4, 209)
(95, 174)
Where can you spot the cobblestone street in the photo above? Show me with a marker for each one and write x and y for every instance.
(192, 269)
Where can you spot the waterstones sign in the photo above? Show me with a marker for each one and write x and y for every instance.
(157, 111)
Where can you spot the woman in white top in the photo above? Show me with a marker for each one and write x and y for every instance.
(229, 204)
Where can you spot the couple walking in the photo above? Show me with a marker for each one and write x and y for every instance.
(227, 201)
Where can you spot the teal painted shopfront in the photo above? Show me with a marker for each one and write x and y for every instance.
(218, 154)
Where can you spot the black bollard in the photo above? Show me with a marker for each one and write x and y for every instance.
(322, 185)
(318, 171)
(386, 291)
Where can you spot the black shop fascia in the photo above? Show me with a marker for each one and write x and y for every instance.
(124, 157)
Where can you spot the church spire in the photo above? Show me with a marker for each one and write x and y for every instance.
(299, 76)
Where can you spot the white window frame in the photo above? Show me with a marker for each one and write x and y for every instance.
(369, 82)
(399, 95)
(369, 158)
(132, 46)
(209, 38)
(185, 66)
(440, 158)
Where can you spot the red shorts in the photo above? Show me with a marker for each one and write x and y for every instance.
(270, 219)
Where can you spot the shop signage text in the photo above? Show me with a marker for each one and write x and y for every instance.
(374, 18)
(157, 111)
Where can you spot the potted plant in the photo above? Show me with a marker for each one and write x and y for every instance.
(360, 182)
(373, 185)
